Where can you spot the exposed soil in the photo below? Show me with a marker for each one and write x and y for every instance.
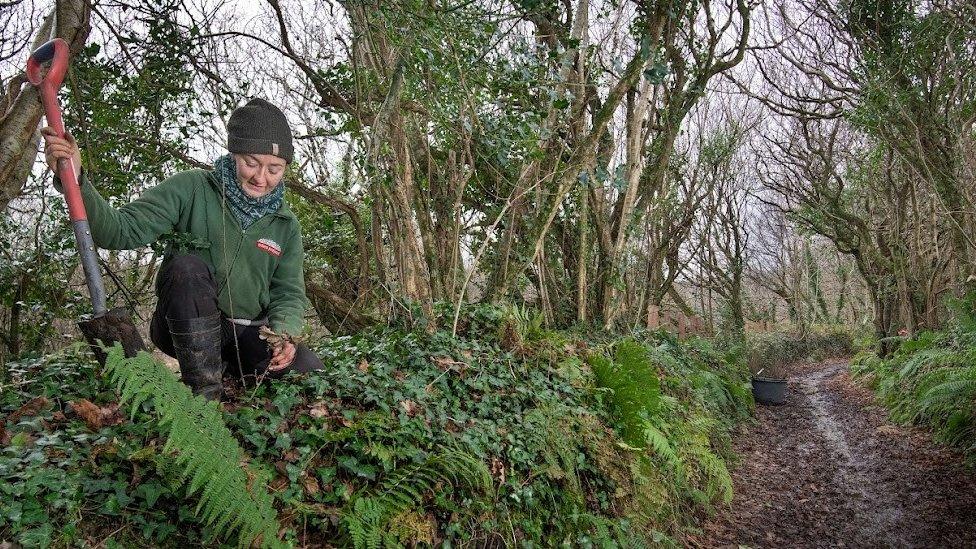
(828, 469)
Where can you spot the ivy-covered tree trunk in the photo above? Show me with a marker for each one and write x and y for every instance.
(843, 273)
(392, 156)
(737, 318)
(885, 318)
(909, 57)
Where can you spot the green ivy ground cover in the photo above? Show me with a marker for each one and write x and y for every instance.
(518, 437)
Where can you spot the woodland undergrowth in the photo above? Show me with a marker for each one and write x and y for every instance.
(508, 434)
(930, 379)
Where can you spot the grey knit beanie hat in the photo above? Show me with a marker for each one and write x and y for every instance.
(259, 128)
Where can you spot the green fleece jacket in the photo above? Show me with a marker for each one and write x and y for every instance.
(258, 271)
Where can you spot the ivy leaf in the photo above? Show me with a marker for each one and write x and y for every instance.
(150, 491)
(353, 465)
(656, 73)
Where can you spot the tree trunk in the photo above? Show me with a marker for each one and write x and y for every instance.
(21, 110)
(885, 319)
(582, 294)
(13, 332)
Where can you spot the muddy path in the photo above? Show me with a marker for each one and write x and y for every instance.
(829, 470)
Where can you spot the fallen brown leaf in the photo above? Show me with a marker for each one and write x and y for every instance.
(447, 363)
(311, 485)
(888, 430)
(29, 408)
(109, 449)
(410, 407)
(96, 416)
(318, 410)
(497, 469)
(111, 415)
(278, 484)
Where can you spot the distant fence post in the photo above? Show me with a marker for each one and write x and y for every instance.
(653, 317)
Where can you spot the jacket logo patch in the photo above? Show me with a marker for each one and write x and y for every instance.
(270, 246)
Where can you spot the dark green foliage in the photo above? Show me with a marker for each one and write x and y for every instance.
(635, 390)
(231, 494)
(686, 429)
(63, 483)
(931, 379)
(419, 438)
(772, 352)
(132, 116)
(367, 517)
(32, 284)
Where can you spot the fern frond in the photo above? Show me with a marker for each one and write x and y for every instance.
(719, 481)
(206, 453)
(366, 517)
(636, 388)
(659, 443)
(956, 386)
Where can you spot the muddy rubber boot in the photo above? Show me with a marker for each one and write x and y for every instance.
(197, 343)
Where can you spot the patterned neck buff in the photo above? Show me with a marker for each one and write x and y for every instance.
(247, 210)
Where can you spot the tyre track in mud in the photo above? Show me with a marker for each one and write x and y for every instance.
(828, 469)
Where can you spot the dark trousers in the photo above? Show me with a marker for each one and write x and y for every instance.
(186, 289)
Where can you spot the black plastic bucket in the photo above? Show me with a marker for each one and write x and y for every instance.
(769, 391)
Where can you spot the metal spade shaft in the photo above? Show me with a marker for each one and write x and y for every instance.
(106, 326)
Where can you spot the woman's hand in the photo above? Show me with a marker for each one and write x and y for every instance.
(60, 148)
(282, 356)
